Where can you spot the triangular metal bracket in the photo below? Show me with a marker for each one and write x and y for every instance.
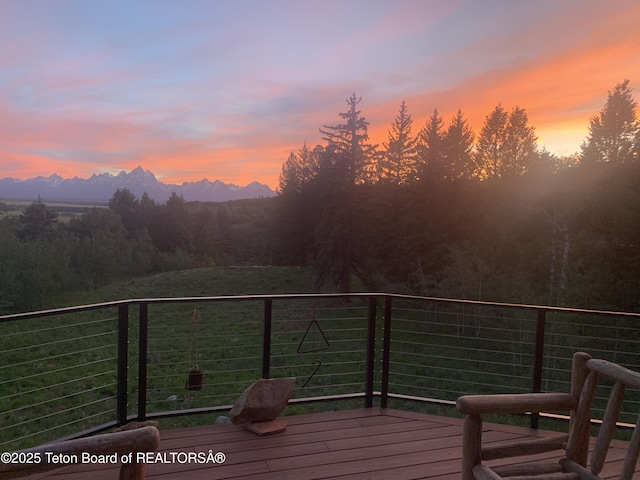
(326, 346)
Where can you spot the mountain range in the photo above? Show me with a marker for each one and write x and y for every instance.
(101, 187)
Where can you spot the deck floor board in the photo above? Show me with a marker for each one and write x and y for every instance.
(355, 444)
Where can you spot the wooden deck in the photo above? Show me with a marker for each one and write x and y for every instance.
(354, 444)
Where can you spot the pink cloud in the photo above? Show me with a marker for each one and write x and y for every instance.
(85, 112)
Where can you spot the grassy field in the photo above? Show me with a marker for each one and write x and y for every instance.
(65, 210)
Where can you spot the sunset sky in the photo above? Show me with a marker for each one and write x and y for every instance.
(225, 89)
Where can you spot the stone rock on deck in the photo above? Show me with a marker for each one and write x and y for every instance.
(262, 401)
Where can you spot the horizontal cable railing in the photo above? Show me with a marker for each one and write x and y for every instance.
(447, 350)
(56, 376)
(76, 371)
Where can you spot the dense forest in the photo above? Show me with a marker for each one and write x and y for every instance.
(45, 260)
(440, 211)
(492, 217)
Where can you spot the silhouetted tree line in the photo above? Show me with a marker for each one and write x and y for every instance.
(439, 212)
(447, 213)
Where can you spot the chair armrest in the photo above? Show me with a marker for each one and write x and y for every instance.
(516, 403)
(146, 439)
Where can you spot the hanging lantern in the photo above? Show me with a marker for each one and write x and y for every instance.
(194, 379)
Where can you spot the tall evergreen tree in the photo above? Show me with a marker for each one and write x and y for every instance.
(520, 151)
(291, 176)
(458, 148)
(489, 154)
(349, 144)
(148, 207)
(346, 164)
(102, 254)
(299, 170)
(37, 221)
(125, 204)
(398, 163)
(614, 132)
(431, 148)
(170, 228)
(506, 145)
(298, 205)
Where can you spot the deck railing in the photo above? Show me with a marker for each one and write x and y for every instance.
(75, 371)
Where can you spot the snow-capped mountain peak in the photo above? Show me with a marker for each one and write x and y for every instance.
(101, 187)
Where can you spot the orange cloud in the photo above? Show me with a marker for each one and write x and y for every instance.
(77, 116)
(560, 93)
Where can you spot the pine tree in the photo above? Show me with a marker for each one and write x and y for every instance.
(298, 170)
(170, 228)
(458, 148)
(520, 151)
(489, 154)
(398, 164)
(290, 176)
(349, 144)
(431, 149)
(37, 221)
(125, 204)
(298, 205)
(507, 144)
(148, 207)
(614, 132)
(346, 165)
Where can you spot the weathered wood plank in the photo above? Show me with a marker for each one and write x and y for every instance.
(521, 403)
(356, 444)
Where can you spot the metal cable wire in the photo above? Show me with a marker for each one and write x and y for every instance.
(59, 412)
(58, 427)
(61, 327)
(56, 399)
(57, 342)
(50, 372)
(54, 357)
(48, 387)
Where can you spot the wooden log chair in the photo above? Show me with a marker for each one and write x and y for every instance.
(144, 439)
(586, 372)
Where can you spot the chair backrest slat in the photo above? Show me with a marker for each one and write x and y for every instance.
(580, 428)
(623, 379)
(607, 428)
(631, 459)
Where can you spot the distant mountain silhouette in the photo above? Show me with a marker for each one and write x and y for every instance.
(100, 188)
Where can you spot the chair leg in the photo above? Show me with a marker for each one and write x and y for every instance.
(471, 445)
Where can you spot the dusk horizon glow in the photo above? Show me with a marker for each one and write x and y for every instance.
(226, 90)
